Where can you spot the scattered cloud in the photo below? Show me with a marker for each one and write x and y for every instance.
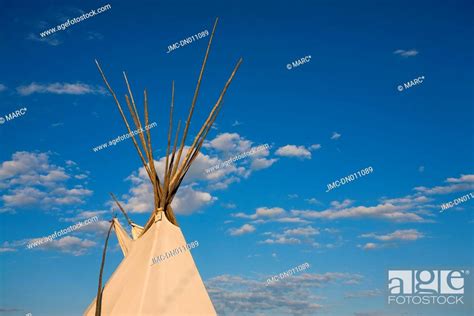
(234, 295)
(229, 205)
(291, 236)
(465, 178)
(236, 123)
(60, 88)
(3, 87)
(69, 244)
(403, 234)
(302, 231)
(7, 249)
(315, 147)
(262, 212)
(189, 200)
(406, 53)
(335, 135)
(312, 201)
(83, 215)
(195, 192)
(294, 151)
(421, 169)
(370, 246)
(245, 229)
(31, 180)
(281, 240)
(140, 196)
(390, 239)
(386, 211)
(463, 183)
(292, 196)
(230, 143)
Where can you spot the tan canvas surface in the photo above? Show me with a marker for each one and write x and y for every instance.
(172, 287)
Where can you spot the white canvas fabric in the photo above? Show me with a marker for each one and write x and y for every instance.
(172, 287)
(123, 238)
(137, 230)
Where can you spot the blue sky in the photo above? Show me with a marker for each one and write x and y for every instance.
(324, 120)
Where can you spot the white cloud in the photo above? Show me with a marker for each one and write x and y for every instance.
(468, 178)
(69, 244)
(463, 183)
(140, 196)
(403, 234)
(386, 211)
(406, 53)
(301, 231)
(234, 295)
(236, 123)
(270, 214)
(3, 87)
(262, 212)
(294, 220)
(335, 135)
(60, 88)
(294, 151)
(229, 205)
(370, 246)
(229, 143)
(30, 180)
(315, 147)
(291, 236)
(421, 168)
(245, 229)
(262, 163)
(83, 215)
(189, 200)
(7, 249)
(191, 196)
(312, 201)
(282, 240)
(340, 205)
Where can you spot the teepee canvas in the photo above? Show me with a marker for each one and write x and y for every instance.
(140, 285)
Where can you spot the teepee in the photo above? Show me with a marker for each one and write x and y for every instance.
(174, 286)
